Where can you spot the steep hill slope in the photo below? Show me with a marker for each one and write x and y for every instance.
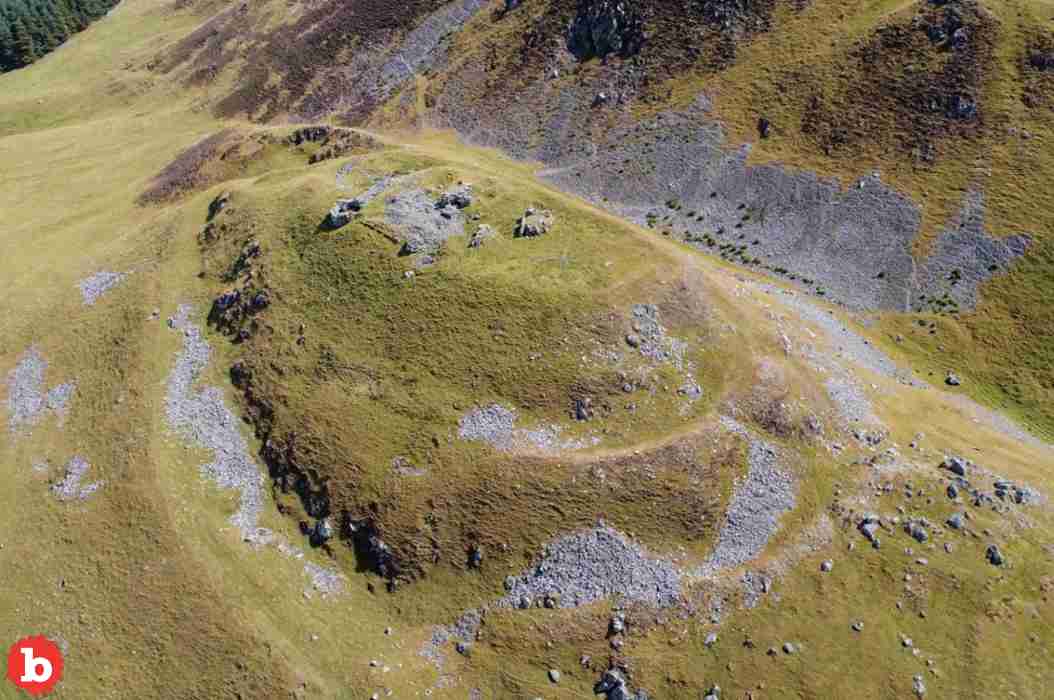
(305, 398)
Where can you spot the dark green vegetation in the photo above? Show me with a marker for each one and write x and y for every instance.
(30, 29)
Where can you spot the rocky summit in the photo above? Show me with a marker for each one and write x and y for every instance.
(528, 348)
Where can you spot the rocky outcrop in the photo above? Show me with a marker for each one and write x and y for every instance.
(605, 27)
(533, 223)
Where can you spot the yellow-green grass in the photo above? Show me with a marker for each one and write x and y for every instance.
(162, 599)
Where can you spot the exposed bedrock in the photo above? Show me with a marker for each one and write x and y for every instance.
(678, 170)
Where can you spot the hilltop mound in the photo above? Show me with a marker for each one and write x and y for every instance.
(887, 158)
(686, 389)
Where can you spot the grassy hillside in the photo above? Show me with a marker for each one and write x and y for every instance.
(355, 378)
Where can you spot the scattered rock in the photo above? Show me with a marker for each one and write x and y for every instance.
(917, 532)
(994, 555)
(342, 212)
(70, 488)
(869, 527)
(604, 27)
(955, 522)
(753, 517)
(595, 564)
(858, 626)
(583, 409)
(613, 685)
(533, 223)
(475, 557)
(27, 403)
(826, 566)
(956, 465)
(952, 379)
(789, 648)
(219, 204)
(554, 675)
(98, 284)
(459, 198)
(918, 686)
(481, 235)
(764, 127)
(711, 639)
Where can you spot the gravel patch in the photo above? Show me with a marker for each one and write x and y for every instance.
(998, 422)
(495, 425)
(964, 256)
(463, 630)
(847, 343)
(758, 503)
(424, 227)
(98, 284)
(27, 403)
(573, 570)
(71, 488)
(654, 343)
(845, 391)
(592, 565)
(422, 48)
(376, 189)
(324, 579)
(851, 401)
(203, 418)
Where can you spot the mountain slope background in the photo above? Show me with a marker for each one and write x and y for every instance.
(164, 145)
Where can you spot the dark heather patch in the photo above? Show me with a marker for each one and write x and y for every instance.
(187, 171)
(910, 86)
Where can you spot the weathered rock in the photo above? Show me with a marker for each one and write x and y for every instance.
(219, 204)
(604, 27)
(711, 639)
(475, 557)
(963, 108)
(955, 522)
(764, 127)
(917, 532)
(953, 491)
(869, 527)
(956, 465)
(533, 223)
(918, 686)
(458, 198)
(994, 555)
(480, 236)
(342, 212)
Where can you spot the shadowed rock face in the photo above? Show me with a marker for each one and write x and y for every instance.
(604, 27)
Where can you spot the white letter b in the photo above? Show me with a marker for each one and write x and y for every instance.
(35, 669)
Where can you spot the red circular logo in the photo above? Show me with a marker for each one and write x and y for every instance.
(34, 664)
